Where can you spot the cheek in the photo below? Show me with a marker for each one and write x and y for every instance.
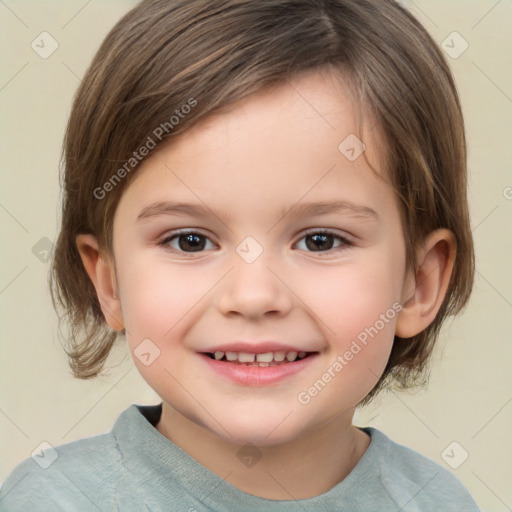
(357, 307)
(156, 297)
(349, 299)
(159, 302)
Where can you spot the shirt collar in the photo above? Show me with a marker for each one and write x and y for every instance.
(156, 462)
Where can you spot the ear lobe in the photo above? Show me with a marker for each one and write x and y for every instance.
(101, 272)
(422, 300)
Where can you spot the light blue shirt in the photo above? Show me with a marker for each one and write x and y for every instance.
(135, 468)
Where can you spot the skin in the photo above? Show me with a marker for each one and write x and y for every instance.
(265, 154)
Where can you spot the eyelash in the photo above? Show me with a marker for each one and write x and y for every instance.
(345, 243)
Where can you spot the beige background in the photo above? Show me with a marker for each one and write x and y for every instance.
(469, 399)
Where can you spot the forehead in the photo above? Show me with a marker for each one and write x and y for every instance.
(290, 142)
(313, 103)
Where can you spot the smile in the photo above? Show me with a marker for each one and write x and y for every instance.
(261, 360)
(257, 370)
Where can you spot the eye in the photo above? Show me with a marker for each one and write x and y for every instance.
(323, 241)
(187, 242)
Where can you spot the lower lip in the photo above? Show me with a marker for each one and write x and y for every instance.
(257, 375)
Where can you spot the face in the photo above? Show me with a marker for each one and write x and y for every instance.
(259, 235)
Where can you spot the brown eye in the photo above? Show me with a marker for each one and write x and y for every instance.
(191, 242)
(322, 241)
(319, 242)
(187, 242)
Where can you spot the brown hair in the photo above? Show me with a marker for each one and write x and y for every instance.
(165, 54)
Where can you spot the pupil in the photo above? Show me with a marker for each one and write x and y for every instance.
(192, 242)
(320, 242)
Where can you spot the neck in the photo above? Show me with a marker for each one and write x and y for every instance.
(299, 469)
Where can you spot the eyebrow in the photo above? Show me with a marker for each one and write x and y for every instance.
(302, 209)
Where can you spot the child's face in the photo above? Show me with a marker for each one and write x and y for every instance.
(249, 167)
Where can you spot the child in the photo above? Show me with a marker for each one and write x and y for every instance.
(267, 200)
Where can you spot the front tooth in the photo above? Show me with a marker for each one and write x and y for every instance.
(231, 356)
(291, 356)
(265, 358)
(218, 354)
(279, 356)
(244, 357)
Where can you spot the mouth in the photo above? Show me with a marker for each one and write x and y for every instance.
(258, 363)
(264, 360)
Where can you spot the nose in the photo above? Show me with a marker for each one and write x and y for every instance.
(253, 290)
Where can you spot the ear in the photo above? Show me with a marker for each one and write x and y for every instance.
(424, 292)
(102, 274)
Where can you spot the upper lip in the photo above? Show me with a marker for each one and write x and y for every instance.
(260, 347)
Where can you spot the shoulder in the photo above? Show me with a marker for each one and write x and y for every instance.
(415, 482)
(63, 477)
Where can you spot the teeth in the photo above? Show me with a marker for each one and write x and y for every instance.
(232, 356)
(265, 358)
(291, 356)
(279, 356)
(244, 357)
(262, 359)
